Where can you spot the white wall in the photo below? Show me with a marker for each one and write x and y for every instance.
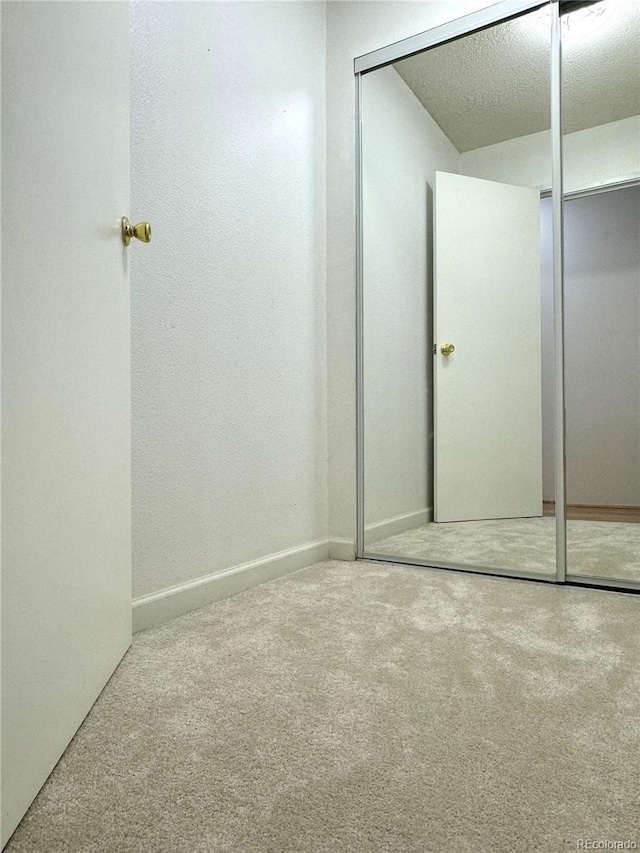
(228, 301)
(595, 156)
(602, 347)
(402, 149)
(354, 28)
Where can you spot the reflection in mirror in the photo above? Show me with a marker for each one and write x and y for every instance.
(458, 376)
(601, 149)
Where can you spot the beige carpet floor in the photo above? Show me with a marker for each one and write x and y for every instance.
(595, 548)
(358, 708)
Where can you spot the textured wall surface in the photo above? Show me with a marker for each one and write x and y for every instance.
(228, 301)
(402, 147)
(354, 28)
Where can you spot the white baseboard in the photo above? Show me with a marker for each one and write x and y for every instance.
(342, 549)
(393, 526)
(177, 600)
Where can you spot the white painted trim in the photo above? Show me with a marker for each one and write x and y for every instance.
(175, 601)
(342, 549)
(393, 526)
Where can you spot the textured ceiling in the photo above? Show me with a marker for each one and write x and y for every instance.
(494, 85)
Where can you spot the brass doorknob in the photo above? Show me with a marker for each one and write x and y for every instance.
(141, 231)
(447, 349)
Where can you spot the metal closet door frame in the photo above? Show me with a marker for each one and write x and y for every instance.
(490, 16)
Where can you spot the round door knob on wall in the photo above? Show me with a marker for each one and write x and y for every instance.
(447, 349)
(141, 231)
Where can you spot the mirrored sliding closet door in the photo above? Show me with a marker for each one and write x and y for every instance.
(457, 380)
(499, 294)
(601, 158)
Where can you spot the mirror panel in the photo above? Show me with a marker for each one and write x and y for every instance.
(458, 375)
(601, 151)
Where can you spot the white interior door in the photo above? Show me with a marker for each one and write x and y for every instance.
(487, 393)
(66, 530)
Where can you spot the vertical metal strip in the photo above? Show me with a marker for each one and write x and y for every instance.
(557, 193)
(359, 329)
